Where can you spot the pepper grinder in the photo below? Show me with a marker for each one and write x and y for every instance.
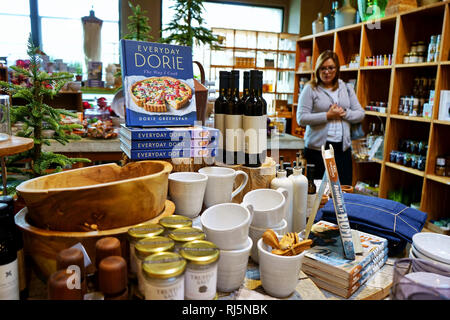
(72, 257)
(105, 247)
(282, 181)
(58, 288)
(113, 278)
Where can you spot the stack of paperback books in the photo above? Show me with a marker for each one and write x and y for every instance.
(327, 267)
(168, 143)
(160, 106)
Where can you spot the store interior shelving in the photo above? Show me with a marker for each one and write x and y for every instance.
(243, 50)
(394, 35)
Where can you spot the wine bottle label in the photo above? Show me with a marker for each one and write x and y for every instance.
(310, 200)
(219, 123)
(255, 130)
(9, 281)
(201, 284)
(234, 133)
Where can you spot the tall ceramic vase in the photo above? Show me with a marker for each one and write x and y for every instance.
(345, 15)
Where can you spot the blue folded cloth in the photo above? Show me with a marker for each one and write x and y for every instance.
(382, 217)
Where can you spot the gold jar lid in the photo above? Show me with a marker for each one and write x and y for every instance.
(164, 265)
(147, 246)
(186, 234)
(200, 252)
(144, 231)
(175, 221)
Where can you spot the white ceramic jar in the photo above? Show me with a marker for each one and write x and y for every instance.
(300, 199)
(282, 181)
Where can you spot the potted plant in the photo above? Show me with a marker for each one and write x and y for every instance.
(37, 116)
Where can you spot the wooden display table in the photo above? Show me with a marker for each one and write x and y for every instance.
(9, 147)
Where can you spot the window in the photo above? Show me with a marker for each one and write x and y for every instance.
(233, 16)
(61, 28)
(15, 18)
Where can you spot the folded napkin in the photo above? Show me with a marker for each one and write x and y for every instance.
(382, 217)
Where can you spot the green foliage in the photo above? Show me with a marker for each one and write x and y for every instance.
(37, 116)
(182, 28)
(138, 26)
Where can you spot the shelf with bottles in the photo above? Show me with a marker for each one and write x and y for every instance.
(412, 38)
(406, 188)
(347, 47)
(368, 176)
(434, 203)
(373, 89)
(304, 62)
(439, 153)
(377, 40)
(414, 88)
(442, 87)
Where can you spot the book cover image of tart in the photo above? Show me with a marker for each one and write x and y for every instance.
(158, 84)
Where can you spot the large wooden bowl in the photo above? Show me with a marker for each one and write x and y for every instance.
(104, 197)
(42, 246)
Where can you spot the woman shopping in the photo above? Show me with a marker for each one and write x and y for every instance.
(327, 107)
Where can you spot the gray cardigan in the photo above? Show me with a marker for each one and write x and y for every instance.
(313, 105)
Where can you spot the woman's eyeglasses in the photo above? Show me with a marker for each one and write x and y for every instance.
(327, 69)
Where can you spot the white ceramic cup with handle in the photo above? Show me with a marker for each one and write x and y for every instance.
(186, 190)
(268, 205)
(219, 188)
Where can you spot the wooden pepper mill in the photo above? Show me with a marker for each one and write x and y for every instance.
(113, 278)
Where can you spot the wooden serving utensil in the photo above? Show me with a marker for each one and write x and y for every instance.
(270, 238)
(295, 249)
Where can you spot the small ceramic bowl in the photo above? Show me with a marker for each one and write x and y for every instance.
(268, 206)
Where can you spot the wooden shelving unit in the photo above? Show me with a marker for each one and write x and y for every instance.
(393, 35)
(273, 53)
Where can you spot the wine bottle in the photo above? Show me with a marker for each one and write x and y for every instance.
(9, 201)
(234, 133)
(311, 188)
(219, 112)
(246, 86)
(254, 123)
(9, 266)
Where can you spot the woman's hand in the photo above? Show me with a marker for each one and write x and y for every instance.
(335, 112)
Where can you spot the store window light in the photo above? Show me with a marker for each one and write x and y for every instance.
(62, 31)
(61, 28)
(245, 17)
(15, 18)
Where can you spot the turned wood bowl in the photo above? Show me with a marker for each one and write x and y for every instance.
(99, 197)
(41, 247)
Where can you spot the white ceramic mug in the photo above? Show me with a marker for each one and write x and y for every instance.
(279, 274)
(232, 267)
(227, 224)
(256, 233)
(268, 206)
(186, 190)
(220, 184)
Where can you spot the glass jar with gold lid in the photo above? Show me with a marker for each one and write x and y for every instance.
(174, 222)
(184, 235)
(145, 247)
(201, 270)
(137, 233)
(164, 276)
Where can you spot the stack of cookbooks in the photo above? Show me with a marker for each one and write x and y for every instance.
(169, 142)
(327, 267)
(160, 104)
